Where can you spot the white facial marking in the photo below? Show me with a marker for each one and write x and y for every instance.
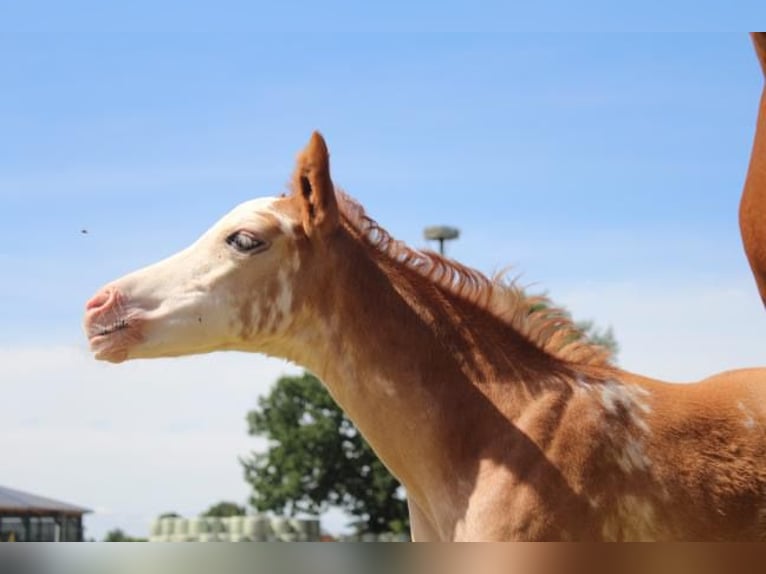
(251, 212)
(265, 205)
(286, 225)
(206, 297)
(285, 297)
(270, 315)
(279, 309)
(255, 316)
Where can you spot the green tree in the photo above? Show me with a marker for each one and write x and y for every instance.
(224, 509)
(604, 337)
(118, 535)
(316, 459)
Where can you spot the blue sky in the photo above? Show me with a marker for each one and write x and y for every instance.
(593, 134)
(606, 168)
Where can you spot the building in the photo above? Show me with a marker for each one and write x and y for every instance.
(27, 517)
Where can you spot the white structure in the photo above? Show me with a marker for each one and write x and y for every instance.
(258, 528)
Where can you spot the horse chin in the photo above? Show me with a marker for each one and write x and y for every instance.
(118, 356)
(115, 347)
(104, 348)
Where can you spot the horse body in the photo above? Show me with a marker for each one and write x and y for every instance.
(752, 209)
(499, 419)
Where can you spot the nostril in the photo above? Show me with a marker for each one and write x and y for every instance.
(99, 300)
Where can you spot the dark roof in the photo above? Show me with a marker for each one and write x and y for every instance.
(17, 501)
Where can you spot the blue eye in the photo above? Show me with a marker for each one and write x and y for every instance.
(245, 242)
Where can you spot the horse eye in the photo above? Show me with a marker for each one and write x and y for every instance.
(244, 242)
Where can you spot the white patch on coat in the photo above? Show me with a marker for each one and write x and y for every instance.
(632, 456)
(581, 383)
(615, 393)
(612, 396)
(749, 421)
(618, 399)
(616, 396)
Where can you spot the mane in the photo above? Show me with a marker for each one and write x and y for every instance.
(534, 317)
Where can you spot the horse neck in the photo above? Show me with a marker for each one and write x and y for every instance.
(396, 353)
(754, 195)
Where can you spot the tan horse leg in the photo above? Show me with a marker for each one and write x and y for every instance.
(752, 209)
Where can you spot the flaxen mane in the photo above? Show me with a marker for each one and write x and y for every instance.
(533, 316)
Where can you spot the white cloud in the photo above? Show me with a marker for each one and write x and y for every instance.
(677, 331)
(137, 439)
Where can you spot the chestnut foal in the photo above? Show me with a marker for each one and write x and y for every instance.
(500, 420)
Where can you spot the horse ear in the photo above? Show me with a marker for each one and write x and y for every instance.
(313, 188)
(759, 39)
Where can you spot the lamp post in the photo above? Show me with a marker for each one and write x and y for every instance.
(441, 233)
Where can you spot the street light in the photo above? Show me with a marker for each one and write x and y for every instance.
(441, 233)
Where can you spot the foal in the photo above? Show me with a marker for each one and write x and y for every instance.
(499, 419)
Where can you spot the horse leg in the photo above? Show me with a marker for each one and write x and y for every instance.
(752, 209)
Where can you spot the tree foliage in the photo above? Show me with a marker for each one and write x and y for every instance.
(316, 459)
(224, 509)
(118, 535)
(600, 336)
